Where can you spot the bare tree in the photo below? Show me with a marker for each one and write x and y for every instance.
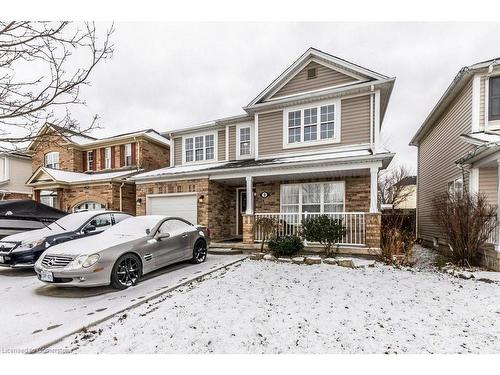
(41, 70)
(392, 186)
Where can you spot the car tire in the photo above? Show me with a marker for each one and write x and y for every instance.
(126, 272)
(199, 252)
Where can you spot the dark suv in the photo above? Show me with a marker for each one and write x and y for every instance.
(22, 250)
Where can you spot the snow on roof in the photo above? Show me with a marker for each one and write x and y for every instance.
(73, 177)
(169, 171)
(180, 169)
(483, 137)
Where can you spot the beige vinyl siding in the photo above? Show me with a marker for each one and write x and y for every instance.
(355, 120)
(232, 142)
(355, 128)
(438, 151)
(325, 77)
(488, 184)
(221, 144)
(482, 98)
(177, 151)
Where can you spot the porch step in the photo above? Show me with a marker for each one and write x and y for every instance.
(224, 251)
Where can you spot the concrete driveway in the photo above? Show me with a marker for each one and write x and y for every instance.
(34, 314)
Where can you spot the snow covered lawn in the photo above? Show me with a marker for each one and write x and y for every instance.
(268, 307)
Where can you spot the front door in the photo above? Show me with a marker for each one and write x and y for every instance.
(242, 208)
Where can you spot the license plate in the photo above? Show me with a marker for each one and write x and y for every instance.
(2, 259)
(46, 276)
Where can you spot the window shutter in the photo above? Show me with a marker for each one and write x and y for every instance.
(94, 160)
(122, 155)
(112, 156)
(133, 147)
(84, 159)
(103, 158)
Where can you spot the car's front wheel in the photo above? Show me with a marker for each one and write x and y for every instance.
(126, 271)
(199, 252)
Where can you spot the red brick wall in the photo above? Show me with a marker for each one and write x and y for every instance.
(70, 159)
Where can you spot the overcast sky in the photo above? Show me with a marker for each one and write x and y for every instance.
(169, 75)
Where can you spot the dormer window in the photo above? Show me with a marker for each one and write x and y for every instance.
(52, 160)
(199, 148)
(494, 99)
(311, 73)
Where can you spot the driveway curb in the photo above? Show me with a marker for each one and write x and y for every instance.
(41, 348)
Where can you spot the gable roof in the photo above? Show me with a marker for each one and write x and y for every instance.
(86, 140)
(362, 74)
(455, 87)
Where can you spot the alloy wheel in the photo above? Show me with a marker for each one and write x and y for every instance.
(200, 251)
(128, 272)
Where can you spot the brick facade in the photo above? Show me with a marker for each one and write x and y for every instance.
(10, 196)
(217, 210)
(70, 158)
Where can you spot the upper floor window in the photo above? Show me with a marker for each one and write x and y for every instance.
(52, 160)
(90, 160)
(199, 148)
(107, 157)
(245, 141)
(313, 124)
(494, 99)
(128, 154)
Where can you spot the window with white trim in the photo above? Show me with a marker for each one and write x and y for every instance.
(90, 160)
(456, 188)
(318, 197)
(128, 154)
(494, 99)
(52, 160)
(107, 157)
(312, 124)
(245, 141)
(199, 148)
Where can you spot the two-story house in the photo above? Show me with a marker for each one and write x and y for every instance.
(459, 149)
(76, 172)
(15, 168)
(308, 144)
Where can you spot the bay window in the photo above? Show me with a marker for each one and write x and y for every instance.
(52, 160)
(318, 197)
(199, 148)
(313, 124)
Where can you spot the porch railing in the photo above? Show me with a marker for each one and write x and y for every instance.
(493, 237)
(291, 224)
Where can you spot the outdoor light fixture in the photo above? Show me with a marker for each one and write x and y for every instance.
(139, 201)
(200, 199)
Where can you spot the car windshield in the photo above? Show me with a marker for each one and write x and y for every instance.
(134, 226)
(71, 222)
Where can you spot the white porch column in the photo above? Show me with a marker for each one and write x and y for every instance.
(474, 180)
(497, 245)
(249, 210)
(373, 189)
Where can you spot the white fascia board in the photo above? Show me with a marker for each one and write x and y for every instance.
(476, 99)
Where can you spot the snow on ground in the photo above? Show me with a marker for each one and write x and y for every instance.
(268, 307)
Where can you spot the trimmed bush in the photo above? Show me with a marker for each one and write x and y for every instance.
(323, 229)
(285, 245)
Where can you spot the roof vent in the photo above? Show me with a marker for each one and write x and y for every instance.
(311, 73)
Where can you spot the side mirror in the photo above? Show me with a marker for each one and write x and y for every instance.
(89, 228)
(148, 231)
(162, 236)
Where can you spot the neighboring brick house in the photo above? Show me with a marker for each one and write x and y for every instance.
(15, 168)
(77, 172)
(459, 149)
(308, 144)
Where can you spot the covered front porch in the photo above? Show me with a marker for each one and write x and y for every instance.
(345, 192)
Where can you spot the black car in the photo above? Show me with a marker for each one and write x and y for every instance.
(22, 250)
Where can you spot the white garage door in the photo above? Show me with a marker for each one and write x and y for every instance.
(184, 206)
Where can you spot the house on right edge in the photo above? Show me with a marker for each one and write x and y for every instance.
(459, 147)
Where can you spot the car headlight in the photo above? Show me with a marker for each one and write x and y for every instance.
(83, 261)
(29, 244)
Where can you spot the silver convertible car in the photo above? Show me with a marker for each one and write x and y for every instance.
(122, 254)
